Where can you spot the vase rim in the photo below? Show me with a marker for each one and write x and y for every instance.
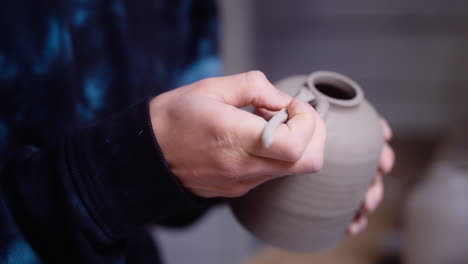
(340, 82)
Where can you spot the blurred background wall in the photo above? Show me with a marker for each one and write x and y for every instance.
(410, 56)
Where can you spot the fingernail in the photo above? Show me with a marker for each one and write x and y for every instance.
(373, 202)
(389, 160)
(362, 225)
(386, 130)
(358, 227)
(353, 229)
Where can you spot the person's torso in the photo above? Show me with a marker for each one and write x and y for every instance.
(69, 63)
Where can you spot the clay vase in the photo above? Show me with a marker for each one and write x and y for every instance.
(310, 213)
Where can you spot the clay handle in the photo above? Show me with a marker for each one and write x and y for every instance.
(275, 121)
(320, 104)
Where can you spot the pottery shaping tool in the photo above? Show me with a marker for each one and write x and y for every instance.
(282, 116)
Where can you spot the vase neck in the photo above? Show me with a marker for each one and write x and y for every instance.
(336, 88)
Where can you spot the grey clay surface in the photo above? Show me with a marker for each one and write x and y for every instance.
(309, 213)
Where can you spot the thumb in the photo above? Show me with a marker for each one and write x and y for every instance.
(244, 89)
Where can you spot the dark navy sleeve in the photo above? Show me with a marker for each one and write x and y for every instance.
(81, 173)
(99, 184)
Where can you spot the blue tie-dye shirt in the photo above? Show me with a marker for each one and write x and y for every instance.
(81, 171)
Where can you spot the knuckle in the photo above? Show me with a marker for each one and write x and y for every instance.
(256, 79)
(299, 107)
(314, 164)
(317, 163)
(293, 150)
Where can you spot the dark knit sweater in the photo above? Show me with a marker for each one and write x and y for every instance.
(81, 172)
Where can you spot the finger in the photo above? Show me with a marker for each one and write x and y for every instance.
(312, 159)
(265, 113)
(387, 131)
(310, 162)
(374, 195)
(387, 159)
(291, 138)
(245, 89)
(357, 226)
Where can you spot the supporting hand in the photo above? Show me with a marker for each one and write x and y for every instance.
(376, 191)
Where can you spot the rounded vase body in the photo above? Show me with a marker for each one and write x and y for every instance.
(309, 213)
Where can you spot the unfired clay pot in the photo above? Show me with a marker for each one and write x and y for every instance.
(309, 213)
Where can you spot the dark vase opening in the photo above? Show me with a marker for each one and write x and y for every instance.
(337, 90)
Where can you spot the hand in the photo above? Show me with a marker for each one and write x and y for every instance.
(214, 148)
(376, 191)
